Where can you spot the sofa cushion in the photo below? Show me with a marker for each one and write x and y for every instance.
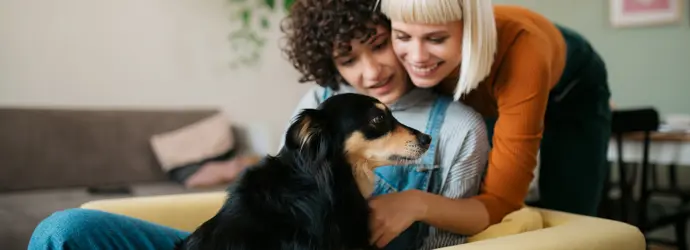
(523, 220)
(57, 148)
(208, 138)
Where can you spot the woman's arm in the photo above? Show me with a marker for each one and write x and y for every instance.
(462, 216)
(464, 147)
(451, 210)
(530, 68)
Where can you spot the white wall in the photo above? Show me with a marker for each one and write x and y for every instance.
(175, 53)
(139, 54)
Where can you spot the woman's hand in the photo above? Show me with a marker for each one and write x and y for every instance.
(393, 213)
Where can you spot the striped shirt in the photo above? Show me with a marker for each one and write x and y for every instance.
(463, 148)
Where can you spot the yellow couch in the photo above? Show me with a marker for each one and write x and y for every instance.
(530, 228)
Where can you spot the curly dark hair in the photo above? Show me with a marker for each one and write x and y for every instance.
(314, 28)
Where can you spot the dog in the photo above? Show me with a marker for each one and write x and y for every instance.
(313, 194)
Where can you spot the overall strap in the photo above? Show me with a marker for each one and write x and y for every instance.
(326, 93)
(433, 127)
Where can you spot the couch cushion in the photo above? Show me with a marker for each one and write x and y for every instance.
(523, 220)
(54, 148)
(208, 138)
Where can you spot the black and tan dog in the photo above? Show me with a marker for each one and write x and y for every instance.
(312, 195)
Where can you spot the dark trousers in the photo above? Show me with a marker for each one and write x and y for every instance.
(577, 128)
(575, 142)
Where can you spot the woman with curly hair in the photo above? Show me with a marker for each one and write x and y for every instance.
(344, 47)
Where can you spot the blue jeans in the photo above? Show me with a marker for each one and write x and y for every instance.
(91, 229)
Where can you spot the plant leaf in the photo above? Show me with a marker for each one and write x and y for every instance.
(287, 4)
(270, 3)
(246, 16)
(264, 23)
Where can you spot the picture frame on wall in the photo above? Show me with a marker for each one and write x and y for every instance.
(636, 13)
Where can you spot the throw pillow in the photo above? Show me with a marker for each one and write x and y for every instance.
(205, 139)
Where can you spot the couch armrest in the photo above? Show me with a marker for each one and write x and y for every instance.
(181, 211)
(567, 231)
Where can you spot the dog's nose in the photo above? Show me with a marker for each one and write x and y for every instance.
(424, 140)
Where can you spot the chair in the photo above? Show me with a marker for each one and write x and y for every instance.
(644, 121)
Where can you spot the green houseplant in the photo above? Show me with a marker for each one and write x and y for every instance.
(248, 39)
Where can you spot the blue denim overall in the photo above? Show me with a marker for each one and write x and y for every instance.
(425, 176)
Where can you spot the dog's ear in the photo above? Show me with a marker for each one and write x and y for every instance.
(307, 134)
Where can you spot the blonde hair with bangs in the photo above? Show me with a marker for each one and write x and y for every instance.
(479, 40)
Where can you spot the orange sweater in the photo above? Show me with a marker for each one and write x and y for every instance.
(529, 62)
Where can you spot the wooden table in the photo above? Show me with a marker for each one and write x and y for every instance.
(671, 136)
(665, 148)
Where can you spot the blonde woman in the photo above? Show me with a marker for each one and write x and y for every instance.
(541, 87)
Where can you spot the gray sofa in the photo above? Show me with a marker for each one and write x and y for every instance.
(51, 157)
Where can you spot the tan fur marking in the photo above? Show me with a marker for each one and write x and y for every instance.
(381, 106)
(365, 155)
(365, 180)
(304, 132)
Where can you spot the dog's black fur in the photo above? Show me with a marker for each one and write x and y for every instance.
(305, 197)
